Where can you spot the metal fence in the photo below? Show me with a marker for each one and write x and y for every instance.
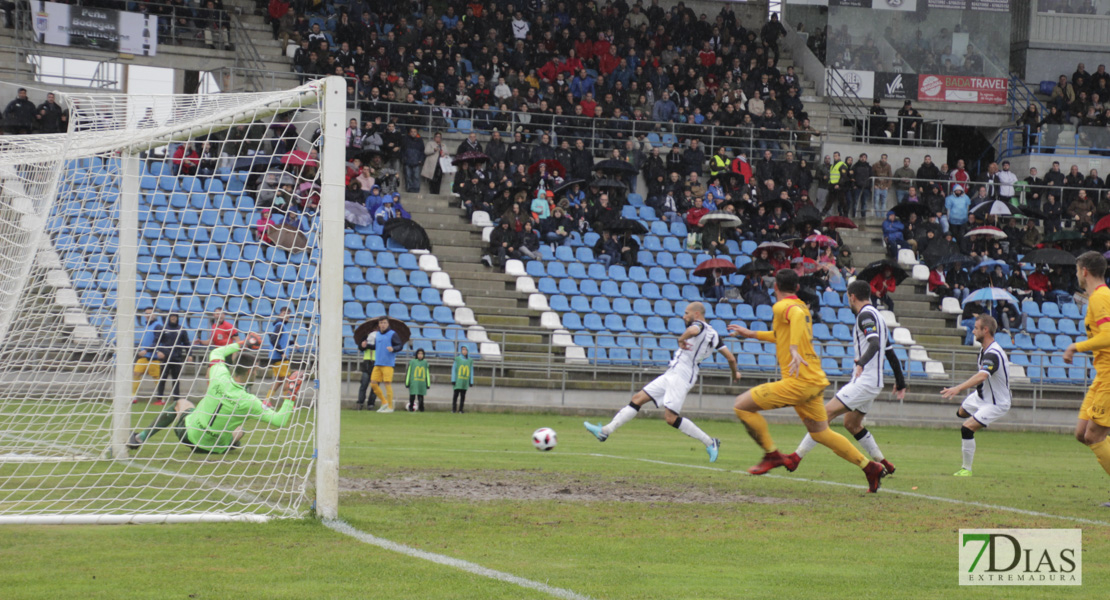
(1063, 140)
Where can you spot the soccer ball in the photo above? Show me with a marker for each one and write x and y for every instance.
(544, 439)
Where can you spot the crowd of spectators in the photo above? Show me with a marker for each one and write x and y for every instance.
(1082, 101)
(22, 116)
(179, 21)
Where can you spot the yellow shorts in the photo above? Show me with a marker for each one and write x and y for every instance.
(148, 367)
(280, 370)
(381, 375)
(806, 398)
(1096, 404)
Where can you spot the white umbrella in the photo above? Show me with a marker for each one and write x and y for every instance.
(992, 207)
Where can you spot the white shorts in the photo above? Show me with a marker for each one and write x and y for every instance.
(669, 390)
(981, 411)
(858, 396)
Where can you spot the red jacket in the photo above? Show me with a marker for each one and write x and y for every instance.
(695, 214)
(707, 58)
(742, 168)
(548, 71)
(187, 162)
(881, 286)
(588, 107)
(570, 67)
(1038, 282)
(277, 9)
(584, 50)
(936, 279)
(600, 48)
(608, 63)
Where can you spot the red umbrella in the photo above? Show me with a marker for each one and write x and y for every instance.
(808, 264)
(706, 268)
(838, 222)
(987, 230)
(1103, 224)
(299, 158)
(554, 167)
(822, 240)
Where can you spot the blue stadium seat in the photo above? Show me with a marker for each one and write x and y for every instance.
(685, 261)
(399, 311)
(677, 276)
(1023, 342)
(663, 308)
(1051, 309)
(651, 291)
(671, 292)
(622, 306)
(656, 325)
(1066, 325)
(835, 350)
(617, 273)
(840, 332)
(1047, 324)
(831, 298)
(675, 326)
(844, 315)
(638, 274)
(407, 261)
(828, 314)
(589, 287)
(610, 289)
(580, 304)
(1030, 308)
(386, 260)
(397, 277)
(547, 286)
(678, 229)
(629, 289)
(1070, 311)
(430, 297)
(744, 312)
(535, 268)
(419, 279)
(1062, 341)
(375, 310)
(363, 293)
(821, 332)
(568, 287)
(600, 304)
(658, 275)
(629, 212)
(350, 274)
(443, 314)
(556, 269)
(673, 244)
(665, 259)
(1044, 342)
(375, 275)
(577, 271)
(584, 255)
(593, 322)
(635, 324)
(421, 314)
(559, 303)
(597, 272)
(353, 311)
(408, 295)
(564, 254)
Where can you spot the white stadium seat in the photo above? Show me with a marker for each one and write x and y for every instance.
(514, 268)
(538, 302)
(58, 279)
(902, 336)
(453, 298)
(921, 272)
(85, 334)
(560, 337)
(486, 231)
(889, 318)
(429, 262)
(918, 353)
(934, 367)
(526, 285)
(66, 298)
(441, 280)
(551, 320)
(74, 318)
(951, 306)
(465, 316)
(489, 351)
(477, 333)
(480, 218)
(1017, 371)
(576, 355)
(48, 259)
(907, 258)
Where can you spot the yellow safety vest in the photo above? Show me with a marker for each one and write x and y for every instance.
(834, 172)
(720, 165)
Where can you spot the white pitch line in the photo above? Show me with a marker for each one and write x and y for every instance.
(885, 489)
(346, 529)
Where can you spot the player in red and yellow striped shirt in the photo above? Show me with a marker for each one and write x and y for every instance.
(802, 385)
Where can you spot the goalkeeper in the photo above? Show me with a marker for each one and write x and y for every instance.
(216, 424)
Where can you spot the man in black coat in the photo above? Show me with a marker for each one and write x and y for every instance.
(50, 116)
(19, 116)
(694, 157)
(927, 170)
(581, 161)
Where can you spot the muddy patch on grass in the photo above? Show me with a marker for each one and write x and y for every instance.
(479, 486)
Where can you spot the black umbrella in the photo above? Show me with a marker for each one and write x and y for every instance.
(627, 226)
(951, 259)
(787, 206)
(1049, 256)
(905, 209)
(807, 218)
(408, 233)
(613, 165)
(878, 266)
(608, 183)
(258, 162)
(566, 185)
(1031, 212)
(469, 157)
(364, 330)
(756, 265)
(357, 214)
(1064, 235)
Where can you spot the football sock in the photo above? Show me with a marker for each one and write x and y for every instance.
(687, 426)
(377, 391)
(163, 420)
(757, 428)
(388, 398)
(1102, 452)
(968, 446)
(806, 445)
(841, 446)
(869, 444)
(623, 416)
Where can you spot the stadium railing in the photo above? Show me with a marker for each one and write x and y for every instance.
(1085, 141)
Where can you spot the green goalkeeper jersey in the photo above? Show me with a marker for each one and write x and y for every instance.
(226, 406)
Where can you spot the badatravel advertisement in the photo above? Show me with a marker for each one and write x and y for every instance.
(96, 28)
(962, 88)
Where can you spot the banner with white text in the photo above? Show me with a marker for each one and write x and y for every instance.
(95, 28)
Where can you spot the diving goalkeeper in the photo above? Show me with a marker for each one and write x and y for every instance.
(216, 424)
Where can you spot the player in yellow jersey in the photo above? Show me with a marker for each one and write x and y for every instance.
(802, 385)
(1094, 415)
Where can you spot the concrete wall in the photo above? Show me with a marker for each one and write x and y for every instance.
(1021, 164)
(1049, 63)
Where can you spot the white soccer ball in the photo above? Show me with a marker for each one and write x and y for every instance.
(544, 439)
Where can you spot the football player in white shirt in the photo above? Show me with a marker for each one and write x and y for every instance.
(668, 391)
(990, 390)
(854, 400)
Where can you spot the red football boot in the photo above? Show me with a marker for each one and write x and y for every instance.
(770, 461)
(874, 473)
(791, 461)
(886, 465)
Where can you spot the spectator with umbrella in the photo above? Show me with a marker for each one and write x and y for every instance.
(883, 276)
(607, 250)
(693, 223)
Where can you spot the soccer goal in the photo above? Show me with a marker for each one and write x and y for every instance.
(134, 251)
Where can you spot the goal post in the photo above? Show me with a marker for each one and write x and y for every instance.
(129, 265)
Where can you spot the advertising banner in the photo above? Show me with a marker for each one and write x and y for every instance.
(978, 5)
(896, 86)
(97, 28)
(962, 88)
(860, 83)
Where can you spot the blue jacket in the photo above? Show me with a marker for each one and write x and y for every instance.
(957, 207)
(892, 231)
(664, 110)
(580, 86)
(279, 340)
(149, 339)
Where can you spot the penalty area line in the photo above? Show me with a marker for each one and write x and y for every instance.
(345, 528)
(884, 490)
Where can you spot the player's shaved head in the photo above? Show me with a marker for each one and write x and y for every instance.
(786, 280)
(1094, 262)
(696, 308)
(860, 290)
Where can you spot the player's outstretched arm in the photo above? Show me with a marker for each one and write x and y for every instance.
(277, 418)
(223, 352)
(1099, 342)
(732, 366)
(899, 378)
(690, 332)
(974, 381)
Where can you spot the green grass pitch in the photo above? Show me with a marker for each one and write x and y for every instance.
(628, 519)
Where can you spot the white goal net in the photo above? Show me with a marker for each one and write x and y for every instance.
(135, 250)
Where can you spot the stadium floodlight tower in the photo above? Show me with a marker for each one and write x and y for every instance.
(100, 225)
